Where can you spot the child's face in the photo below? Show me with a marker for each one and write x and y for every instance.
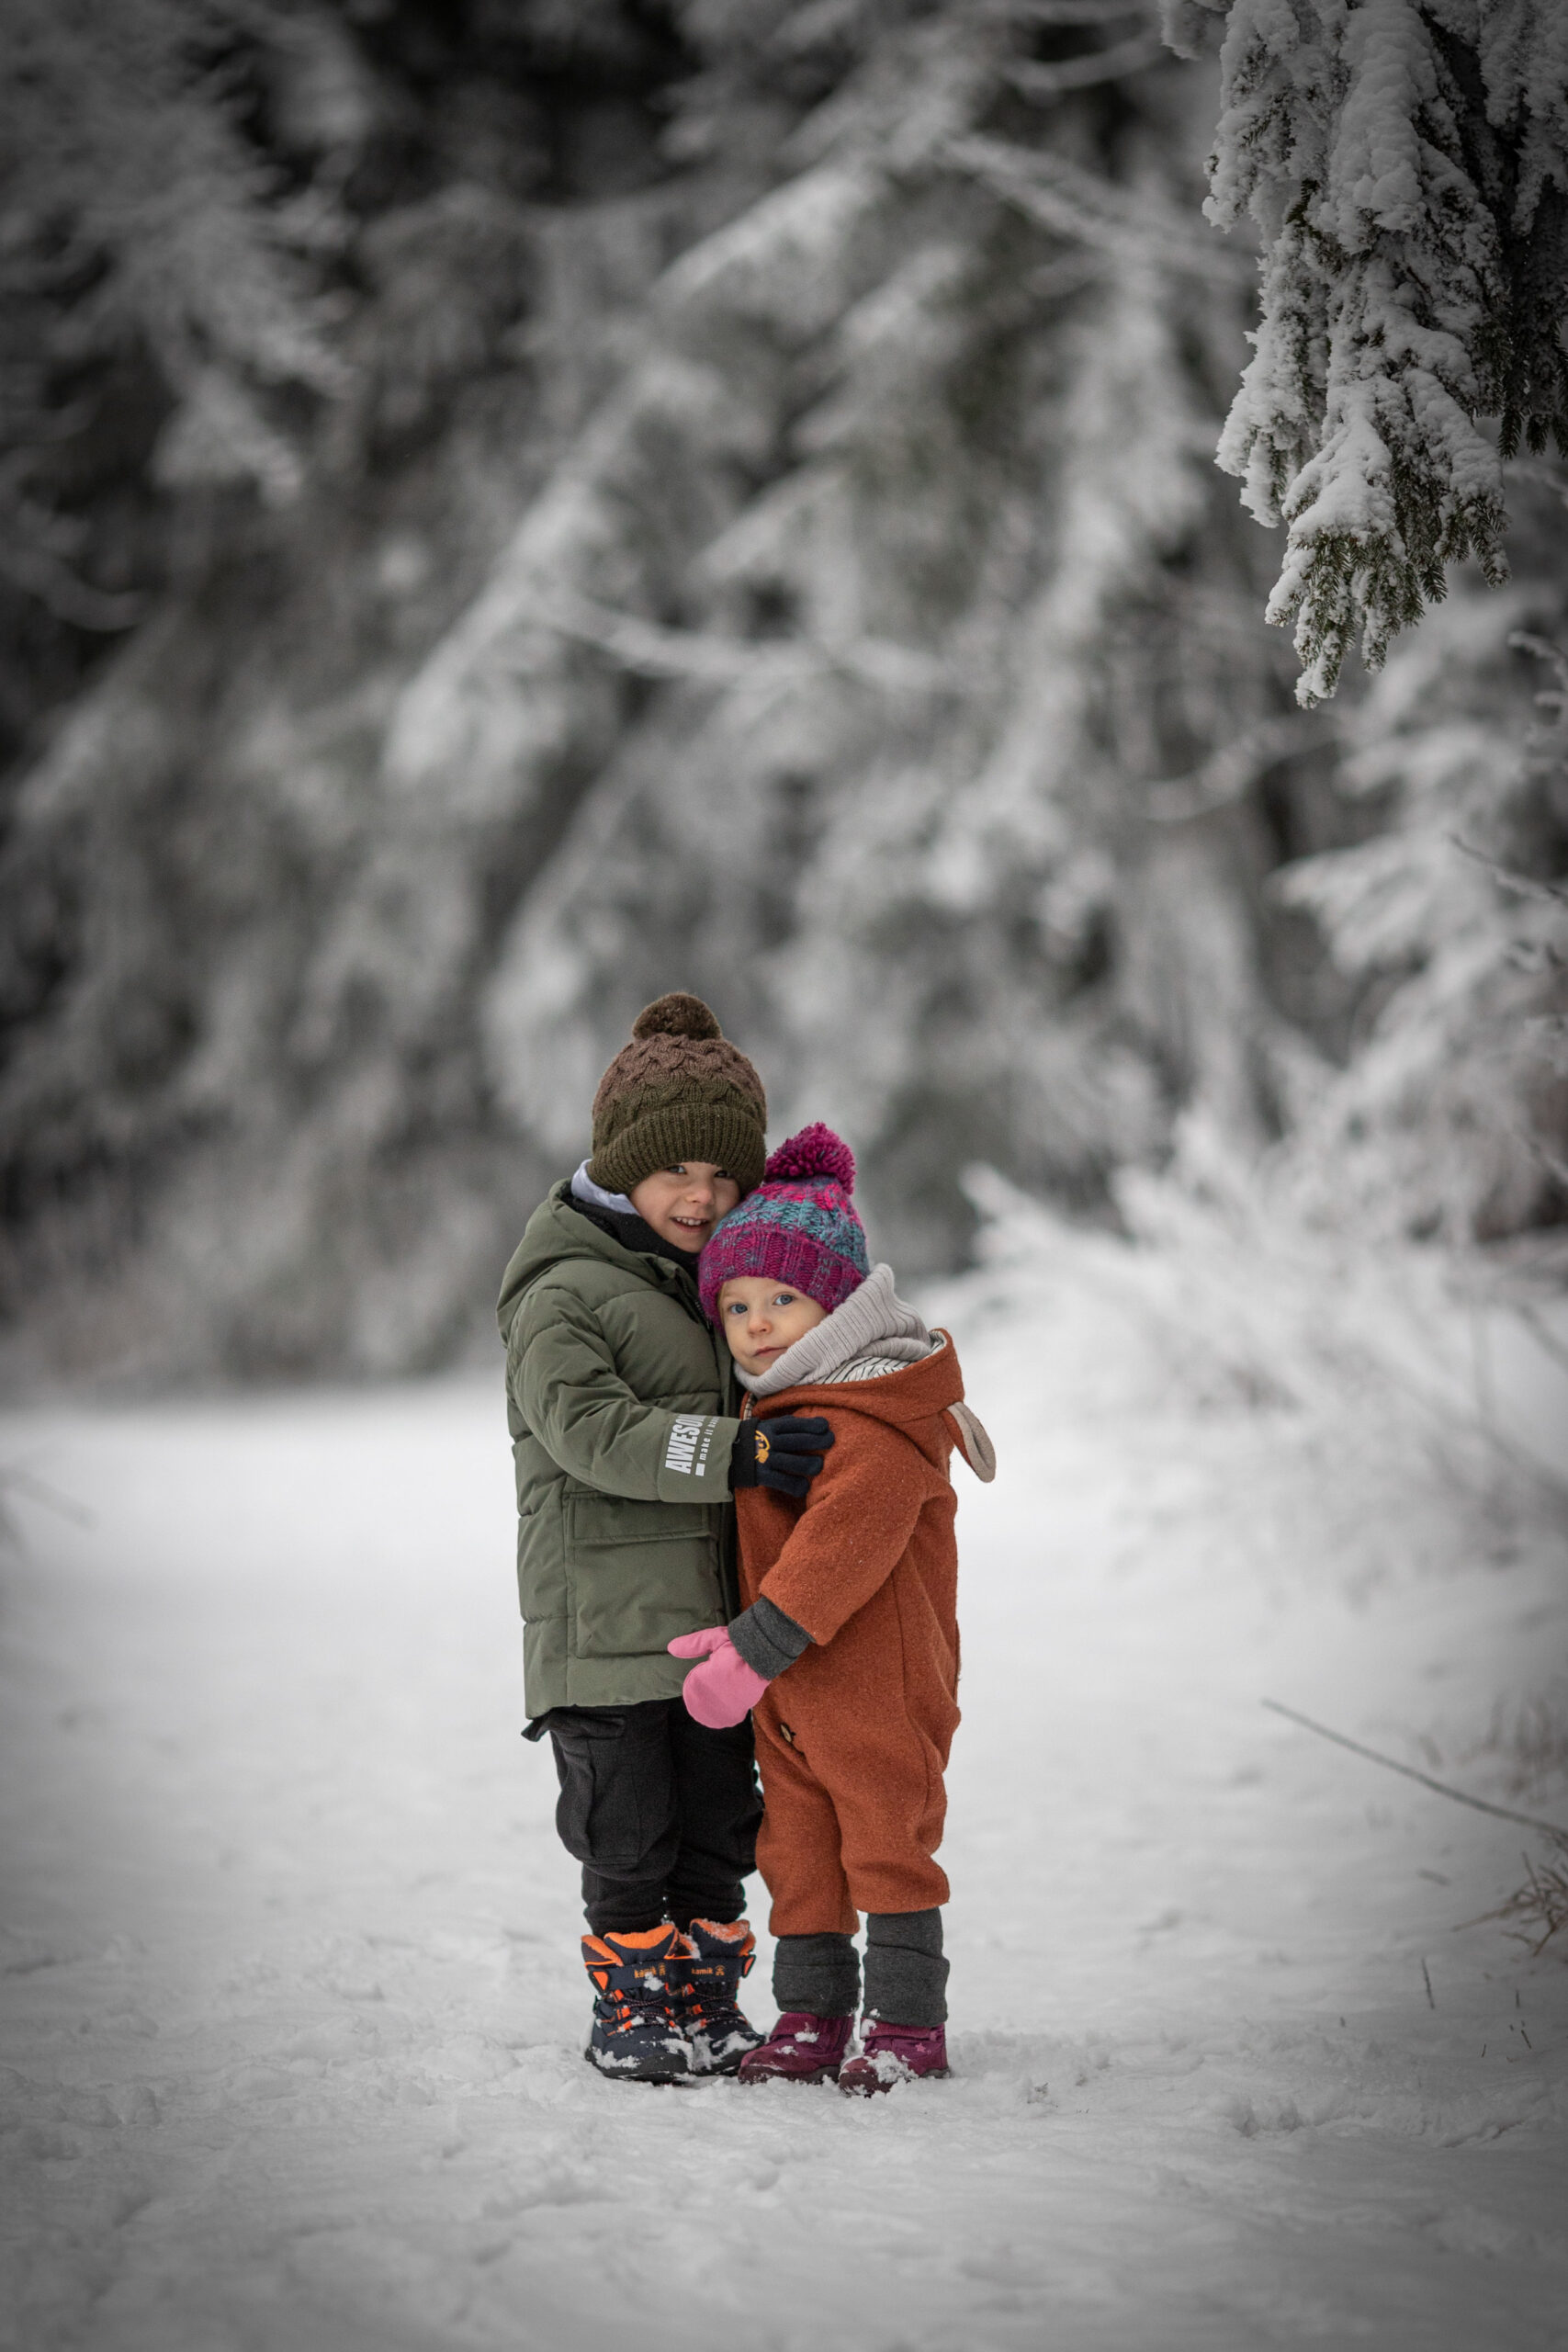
(761, 1319)
(683, 1204)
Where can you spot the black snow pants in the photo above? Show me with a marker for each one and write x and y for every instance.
(661, 1813)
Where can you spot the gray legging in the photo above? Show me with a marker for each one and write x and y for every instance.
(906, 1975)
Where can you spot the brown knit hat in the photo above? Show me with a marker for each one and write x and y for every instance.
(680, 1091)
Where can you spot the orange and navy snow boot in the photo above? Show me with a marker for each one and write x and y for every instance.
(718, 1953)
(638, 2034)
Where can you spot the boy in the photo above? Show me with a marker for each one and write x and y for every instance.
(627, 1448)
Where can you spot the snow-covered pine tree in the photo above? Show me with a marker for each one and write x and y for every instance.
(1406, 161)
(770, 541)
(135, 199)
(1449, 1120)
(166, 331)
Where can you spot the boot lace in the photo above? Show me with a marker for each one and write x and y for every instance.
(644, 2002)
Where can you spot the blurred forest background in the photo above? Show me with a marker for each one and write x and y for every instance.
(509, 506)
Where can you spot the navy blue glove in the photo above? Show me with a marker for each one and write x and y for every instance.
(786, 1453)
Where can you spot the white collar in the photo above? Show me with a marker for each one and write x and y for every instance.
(583, 1188)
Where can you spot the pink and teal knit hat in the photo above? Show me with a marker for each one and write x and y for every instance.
(797, 1228)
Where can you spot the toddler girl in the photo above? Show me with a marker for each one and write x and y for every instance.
(847, 1644)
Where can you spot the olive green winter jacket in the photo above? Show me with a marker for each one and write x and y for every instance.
(616, 1392)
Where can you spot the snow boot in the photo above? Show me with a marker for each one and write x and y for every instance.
(894, 2053)
(802, 2048)
(636, 2034)
(705, 1983)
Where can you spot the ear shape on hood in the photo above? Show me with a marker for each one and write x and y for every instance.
(974, 1441)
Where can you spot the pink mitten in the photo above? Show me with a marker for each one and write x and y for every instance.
(724, 1689)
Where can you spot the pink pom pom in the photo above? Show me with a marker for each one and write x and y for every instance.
(815, 1151)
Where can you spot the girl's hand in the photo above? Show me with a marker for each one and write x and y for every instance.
(724, 1689)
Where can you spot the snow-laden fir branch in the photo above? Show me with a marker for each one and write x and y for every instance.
(1055, 13)
(705, 658)
(1407, 163)
(1047, 82)
(1074, 203)
(1232, 770)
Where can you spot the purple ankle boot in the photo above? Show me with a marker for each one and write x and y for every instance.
(894, 2053)
(801, 2049)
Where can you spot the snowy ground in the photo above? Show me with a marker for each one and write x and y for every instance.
(293, 2009)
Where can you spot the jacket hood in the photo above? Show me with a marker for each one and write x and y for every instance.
(923, 1400)
(556, 1234)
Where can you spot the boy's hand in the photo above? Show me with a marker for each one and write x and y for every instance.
(785, 1453)
(724, 1689)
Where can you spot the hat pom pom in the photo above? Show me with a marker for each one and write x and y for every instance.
(816, 1152)
(676, 1015)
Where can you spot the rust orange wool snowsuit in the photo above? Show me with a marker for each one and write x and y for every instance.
(854, 1737)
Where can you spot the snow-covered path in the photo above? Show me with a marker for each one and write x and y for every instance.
(293, 2007)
